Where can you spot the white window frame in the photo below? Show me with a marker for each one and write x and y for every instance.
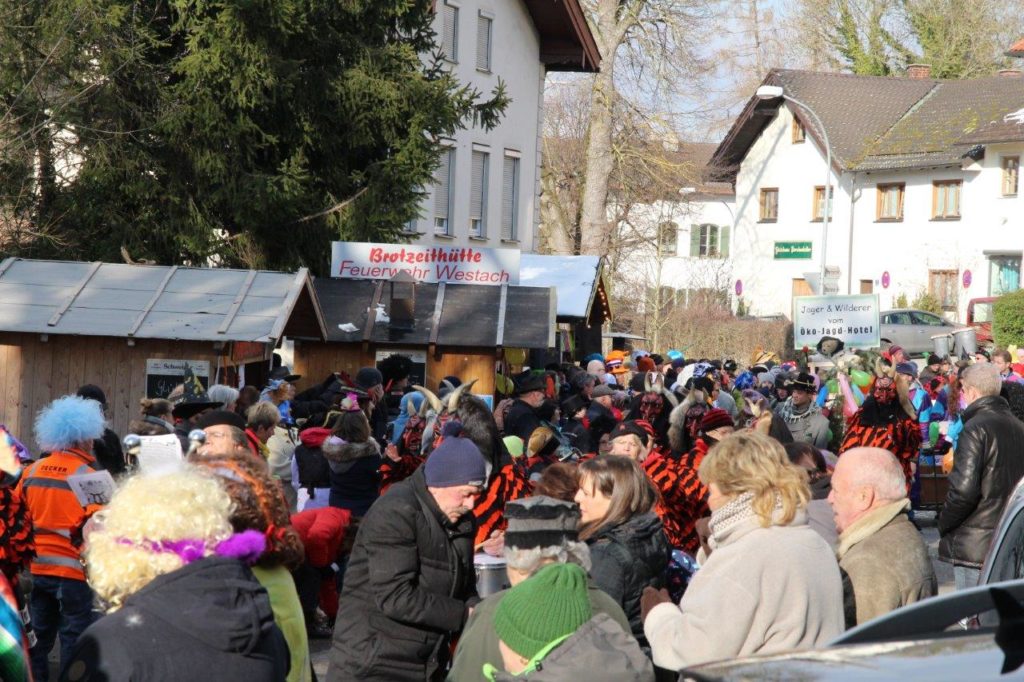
(445, 229)
(512, 233)
(478, 224)
(454, 7)
(483, 15)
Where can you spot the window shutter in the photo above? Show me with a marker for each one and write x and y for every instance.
(694, 241)
(478, 195)
(723, 241)
(442, 196)
(509, 196)
(483, 43)
(451, 28)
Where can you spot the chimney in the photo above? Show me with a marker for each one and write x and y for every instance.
(1010, 73)
(402, 299)
(919, 71)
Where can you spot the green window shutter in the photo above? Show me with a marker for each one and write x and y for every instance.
(723, 241)
(694, 241)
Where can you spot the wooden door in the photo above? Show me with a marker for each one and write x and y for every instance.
(802, 288)
(867, 286)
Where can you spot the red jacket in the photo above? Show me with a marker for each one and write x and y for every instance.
(322, 532)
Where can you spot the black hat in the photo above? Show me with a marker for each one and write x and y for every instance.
(530, 382)
(282, 373)
(216, 417)
(92, 392)
(637, 383)
(729, 365)
(572, 405)
(368, 377)
(540, 521)
(934, 359)
(194, 399)
(630, 428)
(802, 382)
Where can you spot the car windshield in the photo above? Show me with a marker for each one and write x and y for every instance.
(982, 312)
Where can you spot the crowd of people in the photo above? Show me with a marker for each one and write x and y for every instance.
(647, 513)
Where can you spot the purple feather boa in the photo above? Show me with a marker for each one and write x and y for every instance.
(246, 546)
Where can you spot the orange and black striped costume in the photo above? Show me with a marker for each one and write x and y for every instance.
(901, 436)
(17, 543)
(509, 483)
(392, 472)
(684, 499)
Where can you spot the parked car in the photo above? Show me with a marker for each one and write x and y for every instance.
(979, 316)
(922, 641)
(913, 329)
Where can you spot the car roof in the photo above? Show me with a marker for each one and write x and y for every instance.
(965, 655)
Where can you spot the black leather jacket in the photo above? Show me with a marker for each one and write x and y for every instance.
(989, 462)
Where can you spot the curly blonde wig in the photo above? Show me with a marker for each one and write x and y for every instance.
(751, 462)
(186, 504)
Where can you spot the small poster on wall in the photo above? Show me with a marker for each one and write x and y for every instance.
(163, 375)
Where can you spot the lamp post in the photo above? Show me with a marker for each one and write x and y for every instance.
(768, 92)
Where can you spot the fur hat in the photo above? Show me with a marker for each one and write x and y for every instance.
(541, 521)
(68, 421)
(645, 364)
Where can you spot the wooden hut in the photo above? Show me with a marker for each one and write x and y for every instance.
(447, 329)
(583, 299)
(131, 328)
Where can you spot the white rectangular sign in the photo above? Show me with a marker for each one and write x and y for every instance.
(459, 264)
(852, 319)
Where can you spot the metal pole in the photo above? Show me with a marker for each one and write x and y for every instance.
(828, 193)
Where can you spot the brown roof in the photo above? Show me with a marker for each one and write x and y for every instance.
(1017, 49)
(566, 42)
(876, 122)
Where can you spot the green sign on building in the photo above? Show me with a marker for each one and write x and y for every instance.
(792, 250)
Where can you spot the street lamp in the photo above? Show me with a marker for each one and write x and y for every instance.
(769, 92)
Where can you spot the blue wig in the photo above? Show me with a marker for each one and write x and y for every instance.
(67, 421)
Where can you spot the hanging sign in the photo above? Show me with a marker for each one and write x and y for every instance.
(163, 375)
(886, 280)
(792, 250)
(432, 264)
(739, 287)
(967, 279)
(852, 319)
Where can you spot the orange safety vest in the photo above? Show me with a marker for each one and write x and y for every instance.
(56, 513)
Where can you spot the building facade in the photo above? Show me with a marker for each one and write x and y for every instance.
(924, 183)
(486, 190)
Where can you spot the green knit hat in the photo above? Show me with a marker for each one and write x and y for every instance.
(544, 608)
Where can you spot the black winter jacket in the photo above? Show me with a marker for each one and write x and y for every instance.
(627, 558)
(407, 587)
(521, 420)
(206, 620)
(988, 464)
(355, 475)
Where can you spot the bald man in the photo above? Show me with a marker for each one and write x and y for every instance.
(882, 557)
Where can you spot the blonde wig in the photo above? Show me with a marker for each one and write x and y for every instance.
(751, 462)
(188, 504)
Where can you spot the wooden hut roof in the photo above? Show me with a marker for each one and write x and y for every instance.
(156, 302)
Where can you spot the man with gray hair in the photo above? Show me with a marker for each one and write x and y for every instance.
(882, 558)
(986, 467)
(541, 531)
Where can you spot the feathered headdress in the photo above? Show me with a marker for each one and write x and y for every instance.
(67, 421)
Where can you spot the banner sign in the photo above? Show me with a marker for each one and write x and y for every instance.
(792, 250)
(459, 264)
(852, 319)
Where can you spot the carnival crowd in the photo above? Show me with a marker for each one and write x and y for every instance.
(618, 519)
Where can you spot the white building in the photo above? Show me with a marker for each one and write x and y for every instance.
(925, 182)
(488, 184)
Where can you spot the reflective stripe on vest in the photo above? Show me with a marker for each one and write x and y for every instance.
(54, 531)
(58, 483)
(64, 561)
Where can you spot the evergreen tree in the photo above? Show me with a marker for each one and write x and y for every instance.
(242, 132)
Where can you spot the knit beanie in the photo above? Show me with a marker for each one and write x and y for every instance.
(456, 461)
(540, 521)
(549, 605)
(368, 377)
(645, 364)
(714, 419)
